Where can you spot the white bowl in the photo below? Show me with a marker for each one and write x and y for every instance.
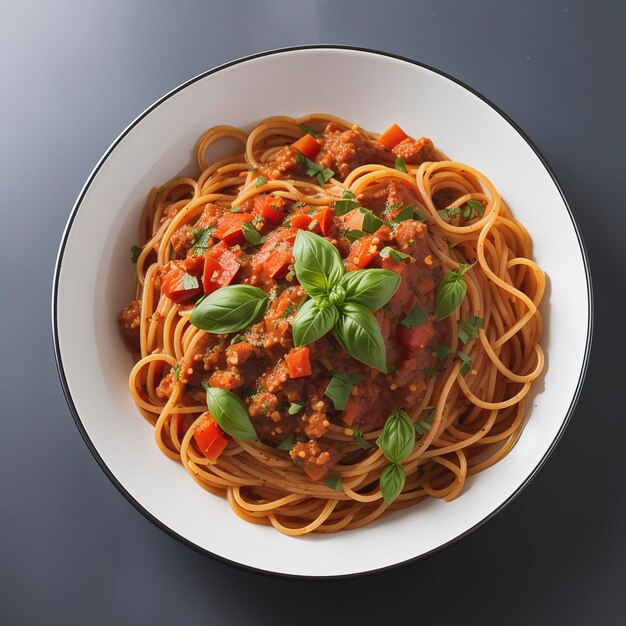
(94, 277)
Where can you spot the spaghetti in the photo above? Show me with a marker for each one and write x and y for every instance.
(462, 380)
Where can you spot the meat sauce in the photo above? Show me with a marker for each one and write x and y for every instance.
(252, 364)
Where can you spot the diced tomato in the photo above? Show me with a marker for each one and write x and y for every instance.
(392, 136)
(177, 281)
(301, 221)
(325, 221)
(277, 263)
(308, 145)
(362, 253)
(270, 208)
(354, 220)
(229, 228)
(351, 411)
(219, 272)
(210, 438)
(298, 363)
(414, 338)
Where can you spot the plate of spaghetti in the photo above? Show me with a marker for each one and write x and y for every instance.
(353, 321)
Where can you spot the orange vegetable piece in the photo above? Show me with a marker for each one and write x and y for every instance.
(270, 208)
(298, 363)
(362, 253)
(392, 136)
(229, 228)
(300, 221)
(308, 145)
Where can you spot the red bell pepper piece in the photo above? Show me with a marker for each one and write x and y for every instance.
(270, 208)
(180, 279)
(301, 221)
(362, 253)
(277, 263)
(210, 438)
(229, 228)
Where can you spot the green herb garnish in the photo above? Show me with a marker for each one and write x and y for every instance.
(294, 408)
(416, 317)
(251, 234)
(260, 181)
(395, 255)
(400, 165)
(287, 443)
(309, 130)
(451, 291)
(347, 204)
(229, 412)
(468, 329)
(135, 251)
(340, 387)
(333, 482)
(466, 362)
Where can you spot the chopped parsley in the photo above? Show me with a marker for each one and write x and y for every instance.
(287, 443)
(423, 426)
(294, 408)
(321, 174)
(400, 165)
(291, 307)
(416, 317)
(395, 255)
(333, 482)
(371, 222)
(251, 234)
(360, 441)
(473, 206)
(340, 387)
(449, 212)
(309, 130)
(347, 204)
(441, 352)
(175, 371)
(260, 181)
(353, 235)
(313, 225)
(468, 329)
(235, 209)
(407, 213)
(430, 371)
(466, 362)
(135, 251)
(201, 239)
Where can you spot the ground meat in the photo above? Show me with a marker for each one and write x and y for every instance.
(315, 457)
(182, 240)
(415, 151)
(129, 321)
(343, 151)
(192, 364)
(284, 162)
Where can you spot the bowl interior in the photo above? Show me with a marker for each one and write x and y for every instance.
(95, 278)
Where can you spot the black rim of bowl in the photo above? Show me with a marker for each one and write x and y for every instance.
(100, 460)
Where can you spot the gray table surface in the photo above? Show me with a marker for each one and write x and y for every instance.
(72, 550)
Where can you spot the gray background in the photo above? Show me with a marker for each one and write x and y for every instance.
(72, 550)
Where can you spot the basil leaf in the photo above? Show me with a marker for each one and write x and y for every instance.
(423, 426)
(416, 317)
(230, 309)
(361, 442)
(400, 166)
(442, 353)
(353, 235)
(135, 251)
(294, 408)
(406, 213)
(371, 223)
(398, 437)
(451, 291)
(467, 362)
(312, 322)
(309, 130)
(371, 288)
(476, 206)
(358, 333)
(190, 282)
(449, 212)
(201, 239)
(260, 181)
(319, 172)
(392, 482)
(396, 255)
(287, 443)
(333, 482)
(317, 263)
(347, 204)
(229, 412)
(251, 234)
(468, 329)
(340, 388)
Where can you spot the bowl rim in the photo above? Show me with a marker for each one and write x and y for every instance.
(77, 420)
